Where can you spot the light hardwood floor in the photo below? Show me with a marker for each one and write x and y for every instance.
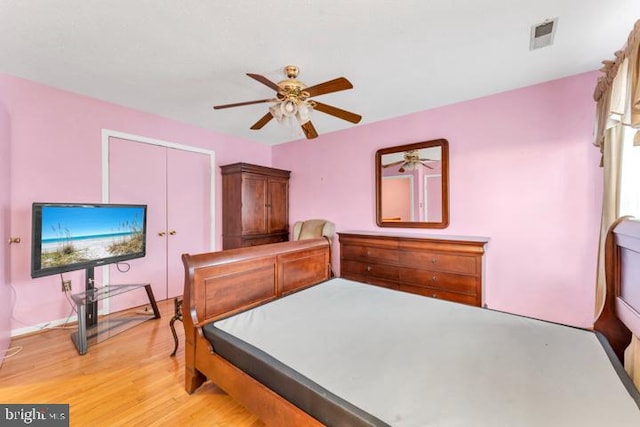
(127, 380)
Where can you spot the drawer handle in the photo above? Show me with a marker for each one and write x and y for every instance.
(434, 296)
(368, 268)
(434, 260)
(434, 278)
(368, 252)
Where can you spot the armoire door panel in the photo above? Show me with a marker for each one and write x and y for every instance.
(137, 174)
(188, 212)
(254, 204)
(278, 205)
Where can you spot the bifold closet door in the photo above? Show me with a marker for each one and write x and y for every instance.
(175, 184)
(138, 174)
(188, 212)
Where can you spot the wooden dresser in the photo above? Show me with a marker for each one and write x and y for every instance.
(444, 267)
(255, 205)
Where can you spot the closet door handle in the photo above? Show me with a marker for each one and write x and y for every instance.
(162, 233)
(172, 232)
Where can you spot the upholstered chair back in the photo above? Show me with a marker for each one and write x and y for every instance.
(313, 229)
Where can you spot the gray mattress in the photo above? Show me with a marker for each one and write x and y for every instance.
(352, 354)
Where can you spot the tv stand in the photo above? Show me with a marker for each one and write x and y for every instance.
(92, 331)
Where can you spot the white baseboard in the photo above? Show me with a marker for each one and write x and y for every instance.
(47, 325)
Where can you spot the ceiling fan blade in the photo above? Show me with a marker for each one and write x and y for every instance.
(263, 121)
(337, 112)
(240, 104)
(426, 165)
(334, 85)
(309, 130)
(393, 164)
(265, 81)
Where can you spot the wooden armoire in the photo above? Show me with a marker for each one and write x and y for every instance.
(255, 205)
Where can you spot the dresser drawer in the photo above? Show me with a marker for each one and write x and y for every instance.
(439, 261)
(373, 253)
(443, 281)
(363, 269)
(370, 280)
(440, 294)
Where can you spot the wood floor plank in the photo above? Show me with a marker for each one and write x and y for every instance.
(127, 380)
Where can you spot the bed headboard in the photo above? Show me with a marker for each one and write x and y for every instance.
(620, 316)
(218, 284)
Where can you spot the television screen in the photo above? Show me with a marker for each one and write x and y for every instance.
(69, 237)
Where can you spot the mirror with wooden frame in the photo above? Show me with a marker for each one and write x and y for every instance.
(412, 185)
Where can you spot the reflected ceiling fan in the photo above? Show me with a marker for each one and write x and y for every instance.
(411, 161)
(292, 101)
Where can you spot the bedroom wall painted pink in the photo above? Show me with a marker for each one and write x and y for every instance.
(56, 156)
(523, 172)
(5, 294)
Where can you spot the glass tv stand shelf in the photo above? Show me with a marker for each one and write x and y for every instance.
(92, 331)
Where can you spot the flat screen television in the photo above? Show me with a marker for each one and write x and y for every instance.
(74, 236)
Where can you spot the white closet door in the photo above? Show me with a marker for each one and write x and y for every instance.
(138, 174)
(176, 186)
(188, 212)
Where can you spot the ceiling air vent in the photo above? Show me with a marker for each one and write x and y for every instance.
(542, 34)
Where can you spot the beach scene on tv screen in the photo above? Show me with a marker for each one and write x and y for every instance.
(72, 235)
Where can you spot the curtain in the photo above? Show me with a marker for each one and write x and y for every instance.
(611, 161)
(632, 360)
(617, 95)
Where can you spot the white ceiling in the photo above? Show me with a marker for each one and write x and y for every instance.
(177, 58)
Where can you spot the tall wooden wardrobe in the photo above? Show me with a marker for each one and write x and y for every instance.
(255, 205)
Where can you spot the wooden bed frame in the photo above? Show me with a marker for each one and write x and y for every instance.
(223, 283)
(620, 316)
(219, 284)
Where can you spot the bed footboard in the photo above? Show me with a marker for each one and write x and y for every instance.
(220, 284)
(619, 320)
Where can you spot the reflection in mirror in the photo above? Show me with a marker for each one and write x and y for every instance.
(412, 185)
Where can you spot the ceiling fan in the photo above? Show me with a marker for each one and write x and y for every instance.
(410, 162)
(292, 101)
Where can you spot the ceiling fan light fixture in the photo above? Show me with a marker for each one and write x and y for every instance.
(304, 112)
(276, 112)
(283, 110)
(286, 110)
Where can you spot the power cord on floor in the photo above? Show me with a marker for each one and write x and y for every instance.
(11, 351)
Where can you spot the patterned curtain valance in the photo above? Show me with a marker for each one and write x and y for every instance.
(617, 92)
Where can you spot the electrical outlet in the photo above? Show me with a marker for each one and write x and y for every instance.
(66, 286)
